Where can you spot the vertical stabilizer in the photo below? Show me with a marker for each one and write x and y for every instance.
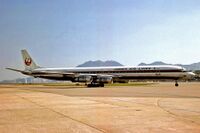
(28, 61)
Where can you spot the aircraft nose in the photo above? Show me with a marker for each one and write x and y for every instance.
(190, 75)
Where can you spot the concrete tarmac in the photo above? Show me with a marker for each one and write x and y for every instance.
(59, 109)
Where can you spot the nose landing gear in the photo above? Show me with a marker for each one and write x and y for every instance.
(176, 83)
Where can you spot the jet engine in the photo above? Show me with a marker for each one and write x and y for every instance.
(104, 79)
(83, 78)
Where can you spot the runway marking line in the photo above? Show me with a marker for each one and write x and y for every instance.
(85, 98)
(61, 114)
(175, 115)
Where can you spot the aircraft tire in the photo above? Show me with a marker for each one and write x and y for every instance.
(102, 85)
(176, 84)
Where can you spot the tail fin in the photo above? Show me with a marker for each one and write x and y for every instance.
(28, 61)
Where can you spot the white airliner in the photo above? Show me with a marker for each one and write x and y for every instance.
(98, 76)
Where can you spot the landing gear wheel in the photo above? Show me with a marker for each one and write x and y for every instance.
(176, 83)
(95, 85)
(101, 85)
(89, 85)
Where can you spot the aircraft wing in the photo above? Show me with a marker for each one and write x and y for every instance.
(46, 73)
(70, 74)
(74, 74)
(62, 74)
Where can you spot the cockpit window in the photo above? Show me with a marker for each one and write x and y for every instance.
(184, 70)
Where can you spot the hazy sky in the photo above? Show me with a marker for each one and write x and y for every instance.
(61, 33)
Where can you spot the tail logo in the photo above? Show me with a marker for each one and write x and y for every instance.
(28, 61)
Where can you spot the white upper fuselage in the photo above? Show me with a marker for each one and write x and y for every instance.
(156, 67)
(112, 69)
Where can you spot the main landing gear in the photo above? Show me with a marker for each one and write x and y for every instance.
(96, 85)
(176, 83)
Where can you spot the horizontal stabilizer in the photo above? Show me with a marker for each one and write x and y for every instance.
(15, 70)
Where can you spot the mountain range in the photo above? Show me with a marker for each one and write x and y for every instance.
(193, 66)
(99, 63)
